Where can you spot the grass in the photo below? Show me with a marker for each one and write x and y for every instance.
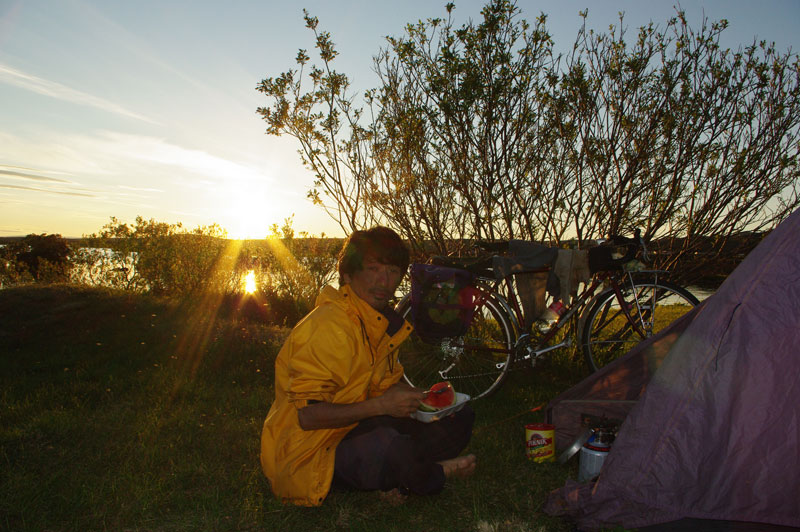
(126, 412)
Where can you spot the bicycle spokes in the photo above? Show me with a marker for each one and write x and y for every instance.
(621, 318)
(476, 362)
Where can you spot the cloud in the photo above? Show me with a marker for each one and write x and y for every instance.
(120, 164)
(139, 189)
(160, 153)
(26, 175)
(50, 191)
(62, 92)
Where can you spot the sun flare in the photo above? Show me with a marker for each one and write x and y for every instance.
(250, 282)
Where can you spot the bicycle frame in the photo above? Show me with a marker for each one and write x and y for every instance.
(615, 307)
(524, 347)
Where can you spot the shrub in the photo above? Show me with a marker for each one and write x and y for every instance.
(166, 259)
(160, 258)
(41, 258)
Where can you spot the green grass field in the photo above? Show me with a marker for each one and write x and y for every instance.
(126, 412)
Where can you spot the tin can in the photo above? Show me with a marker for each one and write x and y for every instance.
(540, 444)
(591, 461)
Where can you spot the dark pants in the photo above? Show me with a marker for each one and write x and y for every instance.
(384, 452)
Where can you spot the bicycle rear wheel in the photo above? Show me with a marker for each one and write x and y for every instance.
(475, 363)
(608, 334)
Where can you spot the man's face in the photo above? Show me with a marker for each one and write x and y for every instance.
(375, 283)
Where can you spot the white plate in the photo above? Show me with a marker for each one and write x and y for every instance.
(427, 417)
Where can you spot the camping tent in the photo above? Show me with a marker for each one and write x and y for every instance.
(712, 434)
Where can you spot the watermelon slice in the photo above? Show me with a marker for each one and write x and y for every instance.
(441, 395)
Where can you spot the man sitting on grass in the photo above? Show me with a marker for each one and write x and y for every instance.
(341, 414)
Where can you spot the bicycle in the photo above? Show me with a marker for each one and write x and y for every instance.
(615, 310)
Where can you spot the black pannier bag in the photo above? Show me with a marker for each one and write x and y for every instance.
(442, 301)
(602, 259)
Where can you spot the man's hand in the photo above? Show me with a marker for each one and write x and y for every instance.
(401, 399)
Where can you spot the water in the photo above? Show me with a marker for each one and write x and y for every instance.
(103, 267)
(701, 293)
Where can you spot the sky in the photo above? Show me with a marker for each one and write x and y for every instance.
(121, 109)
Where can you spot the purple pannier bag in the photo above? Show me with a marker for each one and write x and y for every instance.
(442, 301)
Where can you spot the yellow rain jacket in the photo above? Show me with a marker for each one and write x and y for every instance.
(339, 353)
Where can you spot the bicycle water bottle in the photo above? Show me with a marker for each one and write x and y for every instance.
(551, 315)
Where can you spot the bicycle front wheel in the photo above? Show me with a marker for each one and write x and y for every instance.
(475, 363)
(609, 331)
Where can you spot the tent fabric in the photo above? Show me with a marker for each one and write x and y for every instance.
(715, 433)
(613, 390)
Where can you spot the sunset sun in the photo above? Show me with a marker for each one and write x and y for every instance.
(249, 213)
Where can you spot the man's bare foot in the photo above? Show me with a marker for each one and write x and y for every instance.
(460, 466)
(393, 497)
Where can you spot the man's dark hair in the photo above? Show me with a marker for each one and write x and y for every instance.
(379, 243)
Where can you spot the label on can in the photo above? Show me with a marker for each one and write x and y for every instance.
(540, 442)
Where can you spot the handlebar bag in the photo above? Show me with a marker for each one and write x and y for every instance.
(442, 301)
(605, 259)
